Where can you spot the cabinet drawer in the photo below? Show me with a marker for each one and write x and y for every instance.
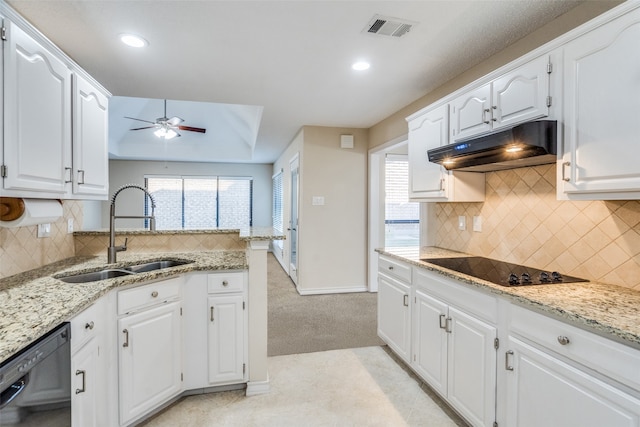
(148, 295)
(394, 268)
(608, 357)
(225, 282)
(87, 324)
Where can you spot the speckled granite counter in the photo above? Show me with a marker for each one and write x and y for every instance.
(34, 302)
(246, 234)
(610, 311)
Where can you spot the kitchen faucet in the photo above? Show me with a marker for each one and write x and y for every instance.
(113, 249)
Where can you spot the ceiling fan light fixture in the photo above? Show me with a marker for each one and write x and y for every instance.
(133, 40)
(166, 133)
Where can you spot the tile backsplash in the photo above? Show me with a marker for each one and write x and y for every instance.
(522, 222)
(22, 250)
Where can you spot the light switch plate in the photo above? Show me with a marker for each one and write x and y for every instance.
(317, 201)
(477, 223)
(462, 222)
(70, 226)
(44, 230)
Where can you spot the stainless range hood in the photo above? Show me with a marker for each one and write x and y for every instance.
(528, 144)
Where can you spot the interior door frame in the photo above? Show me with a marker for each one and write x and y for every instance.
(376, 205)
(294, 203)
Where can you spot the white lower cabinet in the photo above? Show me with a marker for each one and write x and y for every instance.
(226, 339)
(454, 352)
(150, 347)
(89, 367)
(394, 315)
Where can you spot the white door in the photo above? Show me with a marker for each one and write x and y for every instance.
(471, 113)
(293, 221)
(521, 94)
(544, 391)
(394, 315)
(602, 109)
(430, 340)
(226, 339)
(84, 385)
(150, 359)
(37, 121)
(472, 368)
(90, 144)
(426, 179)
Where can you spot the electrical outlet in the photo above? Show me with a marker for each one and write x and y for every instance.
(44, 230)
(477, 223)
(69, 225)
(462, 222)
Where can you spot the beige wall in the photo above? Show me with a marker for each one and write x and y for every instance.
(22, 250)
(524, 223)
(395, 125)
(333, 237)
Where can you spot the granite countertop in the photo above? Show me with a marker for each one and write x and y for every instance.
(246, 234)
(607, 310)
(34, 302)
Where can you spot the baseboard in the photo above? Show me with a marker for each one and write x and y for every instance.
(255, 388)
(319, 291)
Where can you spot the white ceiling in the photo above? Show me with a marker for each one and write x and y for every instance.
(288, 60)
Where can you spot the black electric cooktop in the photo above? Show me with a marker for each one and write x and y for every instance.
(502, 273)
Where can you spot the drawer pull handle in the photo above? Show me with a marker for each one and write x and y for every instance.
(126, 338)
(212, 318)
(154, 294)
(564, 165)
(406, 300)
(563, 340)
(84, 383)
(391, 267)
(506, 360)
(225, 283)
(447, 328)
(443, 325)
(89, 325)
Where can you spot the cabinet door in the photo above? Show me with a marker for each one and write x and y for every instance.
(602, 111)
(426, 179)
(37, 121)
(90, 144)
(472, 368)
(394, 315)
(85, 383)
(471, 113)
(430, 341)
(226, 338)
(521, 95)
(150, 359)
(544, 391)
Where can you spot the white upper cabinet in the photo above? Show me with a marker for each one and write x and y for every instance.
(430, 181)
(90, 145)
(37, 113)
(515, 97)
(602, 112)
(55, 122)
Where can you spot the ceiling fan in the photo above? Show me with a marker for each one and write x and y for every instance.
(167, 128)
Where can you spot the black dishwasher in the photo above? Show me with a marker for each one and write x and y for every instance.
(35, 384)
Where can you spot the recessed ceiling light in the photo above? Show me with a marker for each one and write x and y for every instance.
(361, 66)
(133, 40)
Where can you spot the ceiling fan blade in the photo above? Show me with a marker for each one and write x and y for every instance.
(175, 121)
(192, 129)
(140, 120)
(146, 127)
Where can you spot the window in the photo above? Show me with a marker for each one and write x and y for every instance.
(402, 217)
(201, 202)
(277, 213)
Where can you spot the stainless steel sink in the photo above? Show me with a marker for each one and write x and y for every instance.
(156, 265)
(96, 275)
(124, 271)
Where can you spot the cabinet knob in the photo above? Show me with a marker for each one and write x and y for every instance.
(89, 325)
(154, 294)
(391, 267)
(563, 340)
(225, 283)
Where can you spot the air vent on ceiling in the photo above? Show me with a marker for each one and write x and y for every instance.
(386, 26)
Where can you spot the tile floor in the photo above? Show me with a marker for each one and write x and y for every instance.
(352, 387)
